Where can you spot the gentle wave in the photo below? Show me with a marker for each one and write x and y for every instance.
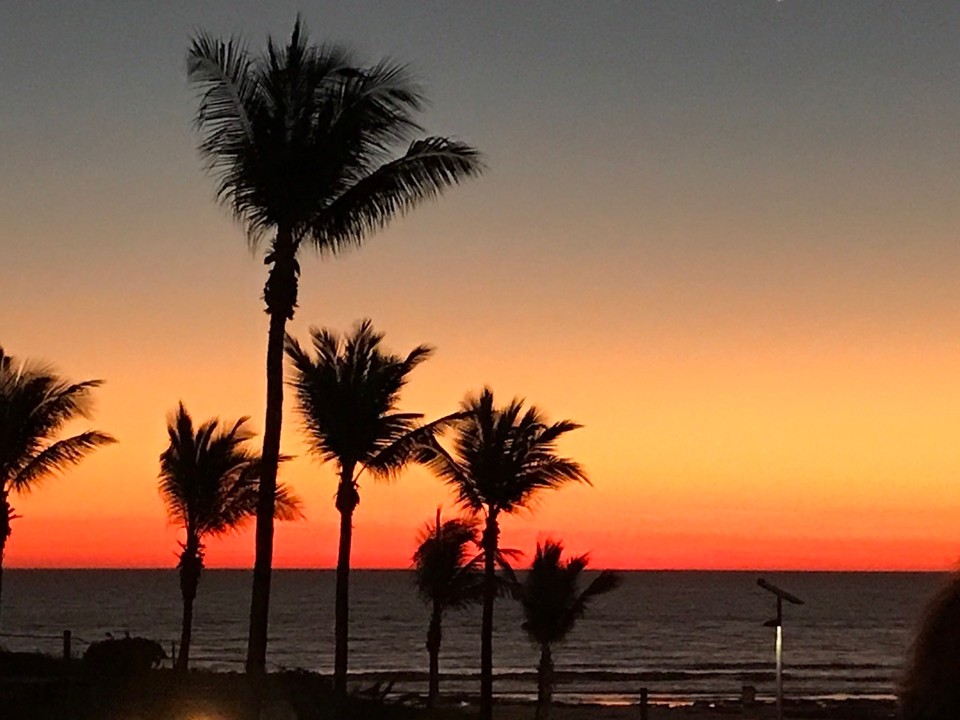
(601, 676)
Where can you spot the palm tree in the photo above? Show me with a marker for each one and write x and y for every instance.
(347, 397)
(304, 145)
(501, 458)
(552, 603)
(35, 406)
(209, 482)
(447, 566)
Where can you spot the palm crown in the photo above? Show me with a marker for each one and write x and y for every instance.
(209, 479)
(502, 456)
(302, 137)
(348, 395)
(550, 593)
(35, 406)
(448, 562)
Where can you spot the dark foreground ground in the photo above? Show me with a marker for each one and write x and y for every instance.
(34, 687)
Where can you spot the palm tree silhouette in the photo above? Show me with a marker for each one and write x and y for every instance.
(448, 568)
(209, 482)
(552, 603)
(347, 397)
(302, 142)
(501, 458)
(35, 405)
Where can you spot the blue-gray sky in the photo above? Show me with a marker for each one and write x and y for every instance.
(720, 234)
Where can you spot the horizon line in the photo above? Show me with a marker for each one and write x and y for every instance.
(244, 568)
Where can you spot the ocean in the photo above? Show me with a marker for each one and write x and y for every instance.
(681, 635)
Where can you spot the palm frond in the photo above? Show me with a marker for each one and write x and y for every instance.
(287, 505)
(605, 582)
(229, 104)
(35, 406)
(389, 461)
(57, 457)
(428, 167)
(448, 469)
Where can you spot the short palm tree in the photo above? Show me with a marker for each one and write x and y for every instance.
(35, 406)
(304, 145)
(501, 458)
(347, 392)
(448, 569)
(552, 603)
(209, 482)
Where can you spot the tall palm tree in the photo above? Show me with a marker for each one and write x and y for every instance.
(209, 482)
(304, 144)
(552, 603)
(500, 459)
(448, 570)
(35, 406)
(347, 392)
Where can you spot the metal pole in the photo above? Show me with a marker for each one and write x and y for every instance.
(777, 623)
(67, 637)
(643, 704)
(779, 649)
(779, 672)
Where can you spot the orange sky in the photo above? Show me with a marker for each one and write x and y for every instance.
(733, 259)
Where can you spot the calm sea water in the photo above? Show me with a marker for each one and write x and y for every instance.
(682, 635)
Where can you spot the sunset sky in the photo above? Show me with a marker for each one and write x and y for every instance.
(723, 236)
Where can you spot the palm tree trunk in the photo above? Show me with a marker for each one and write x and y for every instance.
(186, 632)
(544, 683)
(280, 295)
(3, 548)
(6, 515)
(347, 501)
(490, 537)
(433, 647)
(190, 565)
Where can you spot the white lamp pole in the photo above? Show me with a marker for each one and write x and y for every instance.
(777, 623)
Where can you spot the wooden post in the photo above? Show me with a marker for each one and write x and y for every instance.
(67, 636)
(643, 704)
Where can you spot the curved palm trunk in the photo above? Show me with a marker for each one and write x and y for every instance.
(280, 295)
(347, 501)
(190, 568)
(544, 682)
(433, 647)
(490, 537)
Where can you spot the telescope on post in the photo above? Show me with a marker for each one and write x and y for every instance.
(777, 623)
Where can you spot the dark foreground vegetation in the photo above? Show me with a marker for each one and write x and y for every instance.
(40, 687)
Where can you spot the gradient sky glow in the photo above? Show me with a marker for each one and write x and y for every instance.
(721, 235)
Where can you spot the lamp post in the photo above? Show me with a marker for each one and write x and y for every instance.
(777, 623)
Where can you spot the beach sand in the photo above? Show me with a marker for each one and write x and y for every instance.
(831, 710)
